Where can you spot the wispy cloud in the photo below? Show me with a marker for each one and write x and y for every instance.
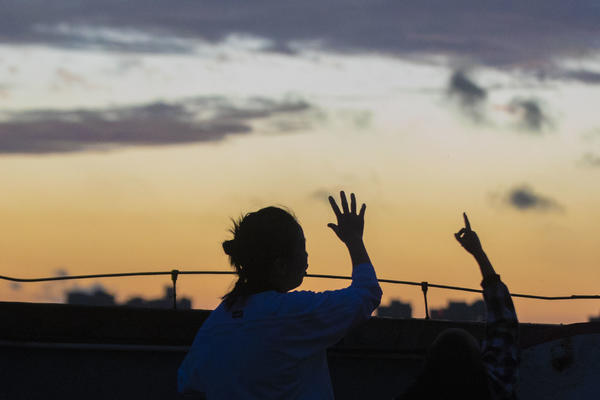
(523, 198)
(194, 120)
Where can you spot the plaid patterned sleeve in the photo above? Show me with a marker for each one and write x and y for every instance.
(500, 349)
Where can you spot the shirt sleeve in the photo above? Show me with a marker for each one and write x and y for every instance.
(314, 321)
(500, 346)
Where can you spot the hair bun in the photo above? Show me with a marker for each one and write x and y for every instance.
(229, 247)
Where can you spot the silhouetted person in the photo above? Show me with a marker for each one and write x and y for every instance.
(456, 367)
(263, 341)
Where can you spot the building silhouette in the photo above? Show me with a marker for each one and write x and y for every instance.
(100, 297)
(461, 311)
(396, 309)
(183, 303)
(455, 311)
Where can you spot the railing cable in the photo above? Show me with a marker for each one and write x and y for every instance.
(175, 273)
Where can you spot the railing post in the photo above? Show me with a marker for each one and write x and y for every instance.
(174, 274)
(424, 287)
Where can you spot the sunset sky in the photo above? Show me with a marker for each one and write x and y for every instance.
(132, 132)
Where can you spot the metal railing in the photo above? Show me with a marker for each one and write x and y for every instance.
(175, 274)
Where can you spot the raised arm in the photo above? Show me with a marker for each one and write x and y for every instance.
(349, 228)
(500, 349)
(328, 315)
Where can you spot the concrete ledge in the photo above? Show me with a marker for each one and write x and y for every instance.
(63, 323)
(68, 351)
(84, 324)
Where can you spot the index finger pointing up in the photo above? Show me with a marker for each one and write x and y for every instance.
(467, 224)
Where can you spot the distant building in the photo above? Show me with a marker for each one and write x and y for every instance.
(396, 309)
(183, 303)
(100, 297)
(461, 311)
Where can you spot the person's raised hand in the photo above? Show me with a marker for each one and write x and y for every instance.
(350, 225)
(468, 238)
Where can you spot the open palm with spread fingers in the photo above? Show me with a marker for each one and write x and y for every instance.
(468, 238)
(350, 224)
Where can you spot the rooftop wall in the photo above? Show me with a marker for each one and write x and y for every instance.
(58, 351)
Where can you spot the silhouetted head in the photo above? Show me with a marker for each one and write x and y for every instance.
(453, 369)
(267, 251)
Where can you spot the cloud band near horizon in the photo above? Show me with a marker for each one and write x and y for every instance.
(202, 119)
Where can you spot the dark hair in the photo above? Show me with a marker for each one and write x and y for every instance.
(259, 238)
(453, 370)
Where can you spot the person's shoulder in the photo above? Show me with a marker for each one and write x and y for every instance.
(277, 304)
(215, 315)
(296, 298)
(306, 301)
(293, 302)
(306, 296)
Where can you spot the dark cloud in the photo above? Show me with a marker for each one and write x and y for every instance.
(472, 100)
(523, 198)
(583, 75)
(532, 116)
(160, 123)
(468, 95)
(505, 33)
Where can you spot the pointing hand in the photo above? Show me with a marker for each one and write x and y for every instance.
(468, 238)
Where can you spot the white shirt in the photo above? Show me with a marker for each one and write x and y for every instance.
(275, 348)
